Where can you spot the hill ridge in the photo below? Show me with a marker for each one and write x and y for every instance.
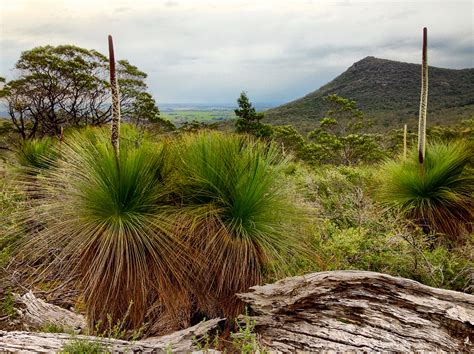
(388, 92)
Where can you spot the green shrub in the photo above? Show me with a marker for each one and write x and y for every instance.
(82, 345)
(7, 305)
(352, 231)
(50, 327)
(440, 198)
(106, 220)
(245, 339)
(36, 154)
(233, 190)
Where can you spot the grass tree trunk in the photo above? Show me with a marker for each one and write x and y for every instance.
(115, 99)
(423, 102)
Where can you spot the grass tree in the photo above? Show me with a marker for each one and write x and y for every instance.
(437, 194)
(441, 199)
(35, 155)
(240, 216)
(111, 229)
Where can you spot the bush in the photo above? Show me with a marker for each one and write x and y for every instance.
(233, 191)
(83, 345)
(440, 198)
(352, 231)
(36, 154)
(106, 219)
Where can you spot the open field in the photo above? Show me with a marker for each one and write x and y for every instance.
(181, 116)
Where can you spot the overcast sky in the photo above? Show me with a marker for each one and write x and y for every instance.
(208, 51)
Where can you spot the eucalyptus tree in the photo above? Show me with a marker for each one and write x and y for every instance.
(62, 86)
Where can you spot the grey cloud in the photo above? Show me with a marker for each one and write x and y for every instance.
(209, 52)
(171, 3)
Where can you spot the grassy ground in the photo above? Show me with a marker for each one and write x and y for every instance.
(180, 116)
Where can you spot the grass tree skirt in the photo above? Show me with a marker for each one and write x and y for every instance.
(360, 311)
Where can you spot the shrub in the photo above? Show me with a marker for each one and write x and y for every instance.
(36, 154)
(440, 198)
(83, 345)
(233, 192)
(106, 220)
(352, 231)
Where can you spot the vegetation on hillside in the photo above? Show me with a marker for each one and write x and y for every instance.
(388, 93)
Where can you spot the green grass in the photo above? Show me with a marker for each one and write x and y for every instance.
(180, 116)
(35, 155)
(8, 304)
(11, 203)
(50, 327)
(81, 345)
(438, 197)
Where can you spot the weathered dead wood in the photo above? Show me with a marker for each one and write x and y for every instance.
(180, 341)
(360, 311)
(36, 313)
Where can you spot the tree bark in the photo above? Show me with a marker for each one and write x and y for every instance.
(180, 341)
(327, 311)
(35, 314)
(360, 311)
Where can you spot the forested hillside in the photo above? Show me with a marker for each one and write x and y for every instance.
(388, 92)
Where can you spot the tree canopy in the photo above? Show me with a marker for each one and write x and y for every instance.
(342, 136)
(248, 120)
(65, 85)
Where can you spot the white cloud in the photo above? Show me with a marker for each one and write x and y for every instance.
(208, 51)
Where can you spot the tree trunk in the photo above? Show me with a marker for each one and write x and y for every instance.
(180, 341)
(36, 314)
(360, 311)
(335, 311)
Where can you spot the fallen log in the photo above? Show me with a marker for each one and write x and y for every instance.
(334, 311)
(180, 341)
(360, 311)
(35, 314)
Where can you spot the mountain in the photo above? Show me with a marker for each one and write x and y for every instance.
(388, 92)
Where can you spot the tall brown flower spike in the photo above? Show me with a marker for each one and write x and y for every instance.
(115, 99)
(423, 102)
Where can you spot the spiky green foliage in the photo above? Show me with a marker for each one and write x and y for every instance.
(36, 154)
(442, 198)
(233, 190)
(107, 219)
